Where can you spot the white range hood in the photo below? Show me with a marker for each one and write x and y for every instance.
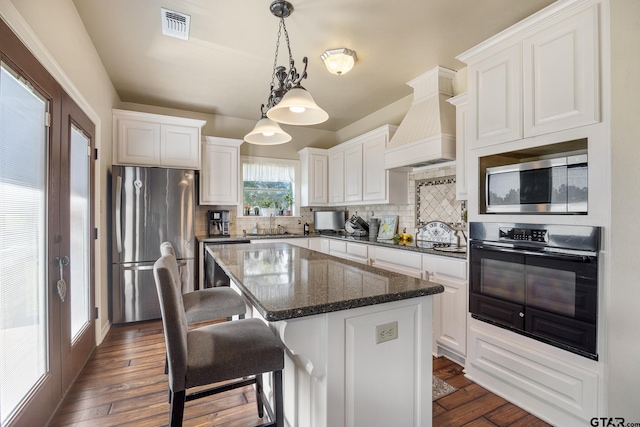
(427, 134)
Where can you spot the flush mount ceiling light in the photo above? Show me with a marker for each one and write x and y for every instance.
(288, 102)
(339, 61)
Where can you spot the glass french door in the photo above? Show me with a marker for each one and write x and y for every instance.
(46, 246)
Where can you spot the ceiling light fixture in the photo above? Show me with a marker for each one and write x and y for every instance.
(339, 61)
(289, 102)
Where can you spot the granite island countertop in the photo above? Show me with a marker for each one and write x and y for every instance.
(283, 281)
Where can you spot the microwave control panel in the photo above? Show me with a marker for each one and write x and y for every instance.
(524, 234)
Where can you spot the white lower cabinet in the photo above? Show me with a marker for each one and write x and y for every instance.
(450, 308)
(397, 260)
(560, 387)
(349, 250)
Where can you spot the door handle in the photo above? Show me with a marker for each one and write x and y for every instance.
(61, 284)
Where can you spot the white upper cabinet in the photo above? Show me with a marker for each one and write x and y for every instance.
(561, 84)
(219, 178)
(336, 176)
(374, 175)
(537, 77)
(143, 139)
(314, 168)
(495, 90)
(357, 174)
(353, 173)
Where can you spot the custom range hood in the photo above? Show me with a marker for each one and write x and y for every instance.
(427, 134)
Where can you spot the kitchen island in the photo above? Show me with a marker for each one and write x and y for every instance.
(357, 338)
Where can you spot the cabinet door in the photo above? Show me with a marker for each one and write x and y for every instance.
(561, 66)
(219, 176)
(318, 167)
(138, 143)
(495, 97)
(353, 173)
(374, 183)
(180, 146)
(336, 177)
(451, 332)
(461, 151)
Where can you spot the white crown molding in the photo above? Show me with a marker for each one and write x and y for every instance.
(516, 31)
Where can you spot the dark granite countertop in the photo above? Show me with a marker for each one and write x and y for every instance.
(283, 281)
(413, 246)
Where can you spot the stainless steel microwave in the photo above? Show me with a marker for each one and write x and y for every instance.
(550, 186)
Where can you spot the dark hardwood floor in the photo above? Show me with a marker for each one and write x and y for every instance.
(123, 384)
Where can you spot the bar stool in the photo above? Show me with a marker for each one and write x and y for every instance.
(214, 353)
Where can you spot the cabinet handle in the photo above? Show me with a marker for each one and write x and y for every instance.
(521, 314)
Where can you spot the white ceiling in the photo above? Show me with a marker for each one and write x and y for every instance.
(225, 67)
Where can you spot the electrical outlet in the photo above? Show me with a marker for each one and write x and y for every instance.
(386, 332)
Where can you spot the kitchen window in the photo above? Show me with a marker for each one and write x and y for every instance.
(268, 186)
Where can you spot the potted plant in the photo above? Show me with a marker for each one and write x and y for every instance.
(288, 200)
(267, 208)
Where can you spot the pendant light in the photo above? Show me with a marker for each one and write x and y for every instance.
(289, 102)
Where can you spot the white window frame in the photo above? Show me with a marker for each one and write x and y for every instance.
(270, 160)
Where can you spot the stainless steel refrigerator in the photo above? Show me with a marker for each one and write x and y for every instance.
(150, 206)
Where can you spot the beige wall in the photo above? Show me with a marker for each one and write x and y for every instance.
(624, 314)
(55, 34)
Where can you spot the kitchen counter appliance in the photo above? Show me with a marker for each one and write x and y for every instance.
(537, 280)
(150, 206)
(218, 223)
(356, 226)
(329, 221)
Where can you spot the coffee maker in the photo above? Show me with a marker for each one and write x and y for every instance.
(218, 222)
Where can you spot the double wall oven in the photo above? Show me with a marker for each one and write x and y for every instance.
(538, 280)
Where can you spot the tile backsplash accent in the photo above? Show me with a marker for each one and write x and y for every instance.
(437, 197)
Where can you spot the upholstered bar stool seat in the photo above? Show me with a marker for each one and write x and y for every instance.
(206, 304)
(241, 350)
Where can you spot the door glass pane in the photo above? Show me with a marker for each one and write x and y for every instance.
(551, 289)
(503, 279)
(23, 266)
(79, 239)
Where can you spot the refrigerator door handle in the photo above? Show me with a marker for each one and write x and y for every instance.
(118, 213)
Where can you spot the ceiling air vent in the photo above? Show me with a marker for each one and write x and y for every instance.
(175, 24)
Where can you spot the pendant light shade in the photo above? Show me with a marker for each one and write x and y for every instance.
(267, 132)
(297, 107)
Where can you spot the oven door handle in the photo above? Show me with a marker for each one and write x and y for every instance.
(542, 254)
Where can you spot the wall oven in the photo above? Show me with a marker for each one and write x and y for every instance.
(538, 280)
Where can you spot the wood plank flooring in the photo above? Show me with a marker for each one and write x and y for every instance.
(123, 384)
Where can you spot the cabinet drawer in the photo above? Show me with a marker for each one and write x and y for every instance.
(443, 266)
(337, 247)
(357, 250)
(399, 257)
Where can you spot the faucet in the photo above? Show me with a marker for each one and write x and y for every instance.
(271, 220)
(281, 229)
